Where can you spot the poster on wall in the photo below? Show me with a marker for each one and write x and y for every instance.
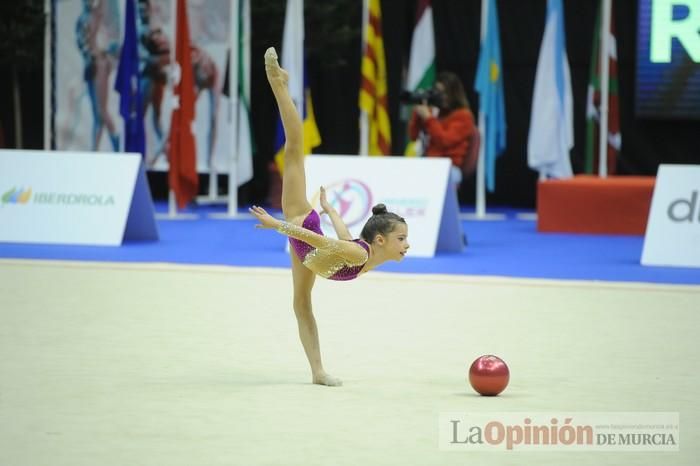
(88, 41)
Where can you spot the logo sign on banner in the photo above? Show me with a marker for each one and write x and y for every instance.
(414, 188)
(86, 198)
(673, 230)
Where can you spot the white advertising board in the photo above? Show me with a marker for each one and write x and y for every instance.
(90, 198)
(417, 189)
(673, 229)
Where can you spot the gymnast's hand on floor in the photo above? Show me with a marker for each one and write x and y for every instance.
(266, 220)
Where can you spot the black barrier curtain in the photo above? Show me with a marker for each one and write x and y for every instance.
(335, 84)
(333, 41)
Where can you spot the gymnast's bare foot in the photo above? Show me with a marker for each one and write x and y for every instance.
(275, 74)
(328, 380)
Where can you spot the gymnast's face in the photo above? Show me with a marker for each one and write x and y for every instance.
(396, 243)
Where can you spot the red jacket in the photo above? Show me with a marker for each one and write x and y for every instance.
(448, 136)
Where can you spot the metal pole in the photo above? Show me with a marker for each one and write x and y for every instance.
(233, 70)
(47, 75)
(480, 164)
(606, 5)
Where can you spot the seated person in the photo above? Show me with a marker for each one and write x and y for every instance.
(448, 133)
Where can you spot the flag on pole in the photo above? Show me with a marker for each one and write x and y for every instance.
(240, 53)
(312, 137)
(245, 134)
(421, 65)
(551, 134)
(375, 127)
(128, 85)
(182, 157)
(293, 63)
(593, 102)
(489, 85)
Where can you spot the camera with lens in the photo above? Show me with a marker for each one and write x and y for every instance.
(420, 96)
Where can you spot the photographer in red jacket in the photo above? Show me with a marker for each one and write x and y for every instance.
(447, 133)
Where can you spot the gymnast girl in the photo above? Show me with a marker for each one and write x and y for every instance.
(383, 238)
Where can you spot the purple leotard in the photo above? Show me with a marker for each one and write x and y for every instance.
(312, 222)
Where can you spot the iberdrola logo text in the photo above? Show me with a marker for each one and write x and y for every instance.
(24, 196)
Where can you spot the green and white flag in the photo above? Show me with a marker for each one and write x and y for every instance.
(421, 66)
(245, 138)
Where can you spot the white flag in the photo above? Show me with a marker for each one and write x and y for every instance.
(245, 145)
(293, 51)
(552, 123)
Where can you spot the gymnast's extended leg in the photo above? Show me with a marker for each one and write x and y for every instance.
(294, 201)
(295, 207)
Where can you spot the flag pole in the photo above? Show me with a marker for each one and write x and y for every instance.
(213, 182)
(47, 75)
(233, 69)
(172, 205)
(364, 123)
(606, 5)
(480, 164)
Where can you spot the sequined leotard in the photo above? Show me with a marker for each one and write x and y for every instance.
(334, 267)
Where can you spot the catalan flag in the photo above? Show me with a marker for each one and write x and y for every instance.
(375, 127)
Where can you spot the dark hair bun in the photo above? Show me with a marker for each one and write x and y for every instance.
(379, 209)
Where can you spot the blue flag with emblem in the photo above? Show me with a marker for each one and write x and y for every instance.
(489, 85)
(128, 86)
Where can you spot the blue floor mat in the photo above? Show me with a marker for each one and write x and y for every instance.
(511, 248)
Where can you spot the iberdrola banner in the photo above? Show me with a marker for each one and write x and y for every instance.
(89, 39)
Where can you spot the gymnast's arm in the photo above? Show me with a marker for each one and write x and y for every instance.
(340, 229)
(353, 253)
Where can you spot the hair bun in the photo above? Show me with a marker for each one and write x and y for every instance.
(379, 209)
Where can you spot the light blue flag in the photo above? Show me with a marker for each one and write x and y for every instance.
(489, 85)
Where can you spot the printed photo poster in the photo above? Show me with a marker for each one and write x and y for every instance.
(88, 42)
